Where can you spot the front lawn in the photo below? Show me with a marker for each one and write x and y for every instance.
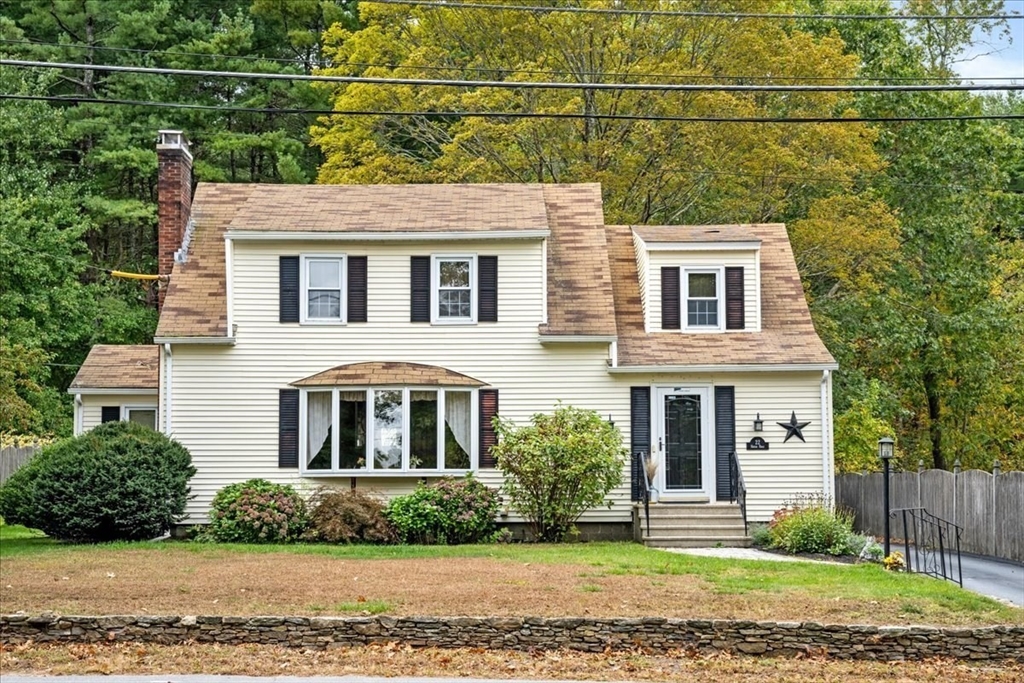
(591, 579)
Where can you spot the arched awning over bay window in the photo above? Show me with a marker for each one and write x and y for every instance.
(388, 373)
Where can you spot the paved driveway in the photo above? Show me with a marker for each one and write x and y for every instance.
(995, 578)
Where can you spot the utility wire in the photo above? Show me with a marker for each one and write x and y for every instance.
(548, 85)
(516, 115)
(542, 72)
(548, 9)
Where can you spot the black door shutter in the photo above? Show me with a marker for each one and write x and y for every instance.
(487, 282)
(670, 298)
(357, 289)
(289, 289)
(725, 437)
(419, 279)
(639, 435)
(734, 312)
(288, 428)
(110, 413)
(488, 409)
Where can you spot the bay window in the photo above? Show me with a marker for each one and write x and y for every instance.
(408, 430)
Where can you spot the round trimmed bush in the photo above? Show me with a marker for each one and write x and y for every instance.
(120, 481)
(447, 512)
(256, 511)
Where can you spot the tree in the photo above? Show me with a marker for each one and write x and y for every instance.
(558, 467)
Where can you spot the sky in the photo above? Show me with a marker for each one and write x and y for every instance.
(1005, 58)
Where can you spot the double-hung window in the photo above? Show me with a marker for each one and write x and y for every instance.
(454, 289)
(323, 289)
(388, 429)
(702, 299)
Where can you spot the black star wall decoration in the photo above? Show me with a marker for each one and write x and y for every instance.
(793, 428)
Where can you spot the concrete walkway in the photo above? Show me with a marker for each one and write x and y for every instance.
(743, 554)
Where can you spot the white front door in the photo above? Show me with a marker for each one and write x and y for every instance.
(682, 443)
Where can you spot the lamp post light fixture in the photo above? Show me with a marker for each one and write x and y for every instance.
(885, 452)
(758, 423)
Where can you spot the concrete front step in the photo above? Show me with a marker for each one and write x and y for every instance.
(679, 510)
(697, 542)
(695, 531)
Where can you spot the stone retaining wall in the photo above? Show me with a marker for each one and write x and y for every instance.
(992, 643)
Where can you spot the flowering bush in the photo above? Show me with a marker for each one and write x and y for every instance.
(448, 512)
(256, 511)
(812, 527)
(895, 562)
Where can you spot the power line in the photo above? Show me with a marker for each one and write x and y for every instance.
(547, 9)
(515, 115)
(548, 85)
(498, 70)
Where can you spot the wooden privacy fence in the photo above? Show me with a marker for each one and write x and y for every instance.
(989, 507)
(13, 457)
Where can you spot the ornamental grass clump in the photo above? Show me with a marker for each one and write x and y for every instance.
(812, 527)
(447, 512)
(558, 467)
(256, 511)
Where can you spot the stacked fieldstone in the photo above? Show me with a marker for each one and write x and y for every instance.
(991, 643)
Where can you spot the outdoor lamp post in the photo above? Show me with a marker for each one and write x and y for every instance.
(885, 452)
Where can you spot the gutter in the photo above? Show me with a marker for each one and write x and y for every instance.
(167, 388)
(214, 341)
(828, 479)
(78, 414)
(663, 369)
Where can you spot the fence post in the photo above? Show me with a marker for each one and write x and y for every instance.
(920, 469)
(995, 515)
(956, 478)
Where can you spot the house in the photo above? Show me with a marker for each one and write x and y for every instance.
(290, 311)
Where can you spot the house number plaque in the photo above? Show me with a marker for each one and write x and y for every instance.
(757, 444)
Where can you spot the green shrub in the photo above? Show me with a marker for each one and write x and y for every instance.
(120, 481)
(256, 511)
(760, 535)
(447, 512)
(811, 528)
(558, 467)
(348, 517)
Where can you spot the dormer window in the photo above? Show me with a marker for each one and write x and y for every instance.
(703, 295)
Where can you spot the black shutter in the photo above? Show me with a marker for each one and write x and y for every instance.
(288, 428)
(110, 413)
(670, 298)
(487, 283)
(725, 437)
(639, 435)
(419, 280)
(734, 313)
(289, 289)
(357, 289)
(488, 409)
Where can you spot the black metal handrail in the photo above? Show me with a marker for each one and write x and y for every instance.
(737, 487)
(645, 489)
(927, 541)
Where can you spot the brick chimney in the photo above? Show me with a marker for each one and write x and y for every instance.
(174, 198)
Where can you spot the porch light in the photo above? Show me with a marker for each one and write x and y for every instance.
(758, 423)
(611, 422)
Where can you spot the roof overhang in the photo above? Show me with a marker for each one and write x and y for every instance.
(221, 341)
(702, 246)
(127, 391)
(464, 235)
(388, 373)
(750, 367)
(577, 338)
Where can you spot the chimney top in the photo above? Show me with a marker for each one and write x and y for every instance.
(173, 139)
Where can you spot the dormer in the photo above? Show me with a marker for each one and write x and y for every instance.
(699, 279)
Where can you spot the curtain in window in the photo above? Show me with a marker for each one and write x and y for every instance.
(457, 416)
(318, 409)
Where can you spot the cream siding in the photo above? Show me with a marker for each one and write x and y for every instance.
(643, 273)
(92, 405)
(703, 259)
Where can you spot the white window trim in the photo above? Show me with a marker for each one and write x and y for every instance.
(719, 273)
(127, 409)
(435, 277)
(304, 260)
(371, 469)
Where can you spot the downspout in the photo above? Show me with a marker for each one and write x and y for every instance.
(167, 389)
(827, 478)
(78, 414)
